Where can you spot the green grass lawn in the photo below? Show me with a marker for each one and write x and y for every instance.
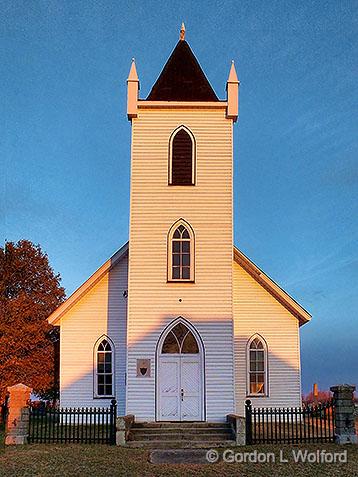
(101, 460)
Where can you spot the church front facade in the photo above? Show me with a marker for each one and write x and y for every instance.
(179, 325)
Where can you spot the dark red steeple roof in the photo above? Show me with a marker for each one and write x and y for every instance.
(182, 78)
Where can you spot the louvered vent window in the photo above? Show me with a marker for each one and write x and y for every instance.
(182, 159)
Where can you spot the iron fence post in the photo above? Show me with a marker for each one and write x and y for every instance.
(248, 419)
(113, 421)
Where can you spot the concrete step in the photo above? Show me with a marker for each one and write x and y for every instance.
(164, 436)
(179, 425)
(173, 435)
(176, 430)
(181, 444)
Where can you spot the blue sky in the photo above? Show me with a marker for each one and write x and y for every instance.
(65, 140)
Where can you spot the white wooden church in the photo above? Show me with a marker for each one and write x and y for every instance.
(179, 325)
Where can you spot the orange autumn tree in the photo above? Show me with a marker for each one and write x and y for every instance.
(29, 292)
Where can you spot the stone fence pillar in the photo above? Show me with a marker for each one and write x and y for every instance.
(344, 414)
(238, 426)
(123, 427)
(17, 427)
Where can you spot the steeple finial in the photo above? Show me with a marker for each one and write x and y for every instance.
(133, 76)
(182, 32)
(232, 75)
(232, 88)
(132, 92)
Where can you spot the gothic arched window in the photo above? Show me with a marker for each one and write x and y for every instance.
(182, 157)
(181, 253)
(180, 340)
(104, 364)
(257, 366)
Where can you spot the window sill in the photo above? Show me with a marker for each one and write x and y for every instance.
(257, 395)
(181, 185)
(104, 397)
(180, 281)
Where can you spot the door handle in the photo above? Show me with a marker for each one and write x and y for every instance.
(182, 394)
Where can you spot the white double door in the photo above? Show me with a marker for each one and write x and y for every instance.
(180, 387)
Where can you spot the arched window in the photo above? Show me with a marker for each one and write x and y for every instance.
(180, 340)
(181, 252)
(104, 363)
(182, 157)
(257, 366)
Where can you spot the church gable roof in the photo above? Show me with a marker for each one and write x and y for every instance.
(87, 285)
(265, 281)
(269, 285)
(182, 78)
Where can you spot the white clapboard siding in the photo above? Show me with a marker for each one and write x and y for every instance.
(101, 311)
(257, 311)
(153, 303)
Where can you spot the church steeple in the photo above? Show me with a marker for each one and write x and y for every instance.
(182, 78)
(180, 235)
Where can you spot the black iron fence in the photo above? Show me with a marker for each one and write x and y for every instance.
(4, 407)
(86, 425)
(291, 425)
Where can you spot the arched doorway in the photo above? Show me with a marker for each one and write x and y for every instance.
(180, 374)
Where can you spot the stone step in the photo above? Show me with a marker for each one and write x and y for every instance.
(181, 444)
(180, 425)
(163, 436)
(176, 430)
